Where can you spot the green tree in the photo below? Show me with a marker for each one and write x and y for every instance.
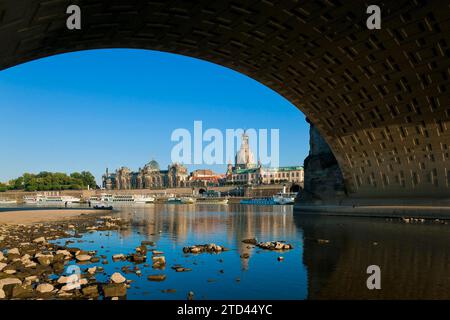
(3, 187)
(46, 181)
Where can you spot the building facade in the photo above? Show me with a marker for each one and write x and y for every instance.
(148, 177)
(245, 171)
(205, 178)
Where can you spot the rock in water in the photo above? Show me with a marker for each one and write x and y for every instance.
(91, 291)
(44, 288)
(250, 241)
(83, 257)
(92, 270)
(119, 256)
(142, 249)
(118, 278)
(159, 262)
(210, 248)
(114, 290)
(157, 277)
(137, 258)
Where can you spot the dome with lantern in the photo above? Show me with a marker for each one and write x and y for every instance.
(152, 166)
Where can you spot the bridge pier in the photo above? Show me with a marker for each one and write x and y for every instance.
(327, 193)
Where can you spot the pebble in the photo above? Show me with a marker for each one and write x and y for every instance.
(9, 271)
(159, 261)
(64, 280)
(44, 288)
(119, 256)
(31, 278)
(2, 266)
(92, 270)
(8, 281)
(211, 248)
(64, 252)
(39, 240)
(44, 259)
(157, 277)
(13, 251)
(83, 257)
(118, 278)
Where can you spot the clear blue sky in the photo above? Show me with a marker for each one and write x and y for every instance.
(106, 108)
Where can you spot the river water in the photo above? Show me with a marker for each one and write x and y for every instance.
(414, 258)
(214, 276)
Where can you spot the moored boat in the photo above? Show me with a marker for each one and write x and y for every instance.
(284, 197)
(259, 201)
(188, 200)
(50, 199)
(173, 200)
(212, 200)
(121, 199)
(7, 202)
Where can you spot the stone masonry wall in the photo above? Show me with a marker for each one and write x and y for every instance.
(324, 183)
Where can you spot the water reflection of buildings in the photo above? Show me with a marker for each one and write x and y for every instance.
(414, 259)
(233, 222)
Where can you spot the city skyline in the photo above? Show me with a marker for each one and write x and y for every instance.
(117, 107)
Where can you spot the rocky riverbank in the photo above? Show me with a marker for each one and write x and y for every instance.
(32, 266)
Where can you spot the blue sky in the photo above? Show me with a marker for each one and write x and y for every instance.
(106, 108)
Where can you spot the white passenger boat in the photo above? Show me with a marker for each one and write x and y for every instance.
(121, 199)
(212, 200)
(285, 197)
(188, 200)
(44, 199)
(7, 202)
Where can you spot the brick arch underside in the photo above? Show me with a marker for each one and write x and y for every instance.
(380, 99)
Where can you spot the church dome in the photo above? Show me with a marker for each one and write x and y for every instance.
(244, 156)
(152, 165)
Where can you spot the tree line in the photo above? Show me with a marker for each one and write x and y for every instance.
(50, 181)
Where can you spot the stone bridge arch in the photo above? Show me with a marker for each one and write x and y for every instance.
(379, 98)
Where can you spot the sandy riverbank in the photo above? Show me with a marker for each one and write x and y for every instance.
(37, 216)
